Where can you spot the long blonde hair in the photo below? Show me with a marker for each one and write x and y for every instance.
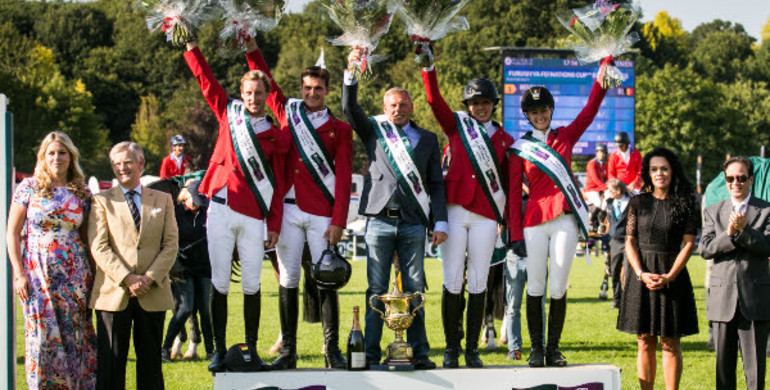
(75, 177)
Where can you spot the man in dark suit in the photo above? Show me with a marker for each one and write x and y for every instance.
(736, 234)
(403, 186)
(616, 209)
(133, 237)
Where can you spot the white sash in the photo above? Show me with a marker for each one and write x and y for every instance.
(251, 159)
(311, 148)
(483, 160)
(401, 158)
(553, 165)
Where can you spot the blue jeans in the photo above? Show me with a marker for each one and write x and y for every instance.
(194, 293)
(515, 280)
(385, 237)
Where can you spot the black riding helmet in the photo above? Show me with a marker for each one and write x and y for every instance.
(622, 138)
(480, 89)
(601, 147)
(536, 97)
(331, 271)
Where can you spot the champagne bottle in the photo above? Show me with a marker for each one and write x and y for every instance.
(356, 349)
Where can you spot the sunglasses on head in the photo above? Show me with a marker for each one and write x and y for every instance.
(740, 179)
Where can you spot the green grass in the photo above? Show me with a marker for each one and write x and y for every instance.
(589, 336)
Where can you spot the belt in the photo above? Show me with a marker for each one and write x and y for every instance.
(290, 201)
(390, 213)
(219, 200)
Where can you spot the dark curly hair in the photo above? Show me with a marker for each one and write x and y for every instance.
(680, 191)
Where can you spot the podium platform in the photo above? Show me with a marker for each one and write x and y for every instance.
(606, 377)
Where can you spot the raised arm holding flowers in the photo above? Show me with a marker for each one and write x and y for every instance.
(244, 18)
(175, 18)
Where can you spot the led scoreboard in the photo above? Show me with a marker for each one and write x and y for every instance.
(570, 83)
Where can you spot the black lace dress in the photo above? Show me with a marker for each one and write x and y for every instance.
(668, 312)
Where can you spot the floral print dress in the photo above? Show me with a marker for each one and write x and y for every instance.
(59, 333)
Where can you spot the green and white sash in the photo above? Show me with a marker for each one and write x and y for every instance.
(483, 160)
(311, 148)
(401, 158)
(251, 159)
(552, 163)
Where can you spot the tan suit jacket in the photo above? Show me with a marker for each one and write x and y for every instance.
(119, 250)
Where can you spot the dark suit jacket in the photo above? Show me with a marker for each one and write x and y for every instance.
(740, 278)
(617, 229)
(380, 182)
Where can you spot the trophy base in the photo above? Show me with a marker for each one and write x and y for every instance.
(392, 367)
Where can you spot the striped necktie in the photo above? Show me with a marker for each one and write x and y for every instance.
(134, 210)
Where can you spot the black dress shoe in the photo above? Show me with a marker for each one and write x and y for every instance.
(424, 363)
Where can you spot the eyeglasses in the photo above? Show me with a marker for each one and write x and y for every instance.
(741, 179)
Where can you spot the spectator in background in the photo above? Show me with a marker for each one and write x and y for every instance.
(52, 274)
(658, 299)
(133, 237)
(625, 163)
(616, 205)
(596, 175)
(736, 235)
(177, 162)
(193, 270)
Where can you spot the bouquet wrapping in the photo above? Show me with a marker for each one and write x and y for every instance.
(244, 18)
(363, 23)
(429, 20)
(602, 30)
(175, 18)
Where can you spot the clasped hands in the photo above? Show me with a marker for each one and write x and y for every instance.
(138, 285)
(655, 281)
(737, 223)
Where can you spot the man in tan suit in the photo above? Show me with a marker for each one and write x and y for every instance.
(133, 237)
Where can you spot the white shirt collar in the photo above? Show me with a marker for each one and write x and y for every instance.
(742, 205)
(138, 189)
(541, 136)
(626, 155)
(259, 123)
(490, 128)
(318, 118)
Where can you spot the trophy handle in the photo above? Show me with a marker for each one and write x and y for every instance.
(422, 303)
(371, 304)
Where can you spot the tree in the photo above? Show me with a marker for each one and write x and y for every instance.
(148, 131)
(720, 50)
(664, 40)
(678, 109)
(42, 100)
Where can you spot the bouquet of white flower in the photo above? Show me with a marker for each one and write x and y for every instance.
(363, 23)
(599, 31)
(175, 18)
(429, 20)
(244, 18)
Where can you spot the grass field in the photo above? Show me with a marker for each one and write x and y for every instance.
(589, 336)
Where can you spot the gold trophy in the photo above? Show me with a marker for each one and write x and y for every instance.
(398, 317)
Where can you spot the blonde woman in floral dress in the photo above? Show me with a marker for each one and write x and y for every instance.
(51, 270)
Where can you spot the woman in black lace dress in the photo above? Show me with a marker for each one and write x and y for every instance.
(658, 298)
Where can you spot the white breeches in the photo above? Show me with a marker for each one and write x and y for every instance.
(475, 235)
(594, 198)
(298, 227)
(227, 230)
(555, 239)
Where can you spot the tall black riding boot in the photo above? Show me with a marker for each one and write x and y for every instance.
(288, 304)
(556, 314)
(219, 325)
(330, 319)
(475, 318)
(535, 326)
(252, 304)
(450, 316)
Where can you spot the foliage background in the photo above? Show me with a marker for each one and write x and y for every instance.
(92, 70)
